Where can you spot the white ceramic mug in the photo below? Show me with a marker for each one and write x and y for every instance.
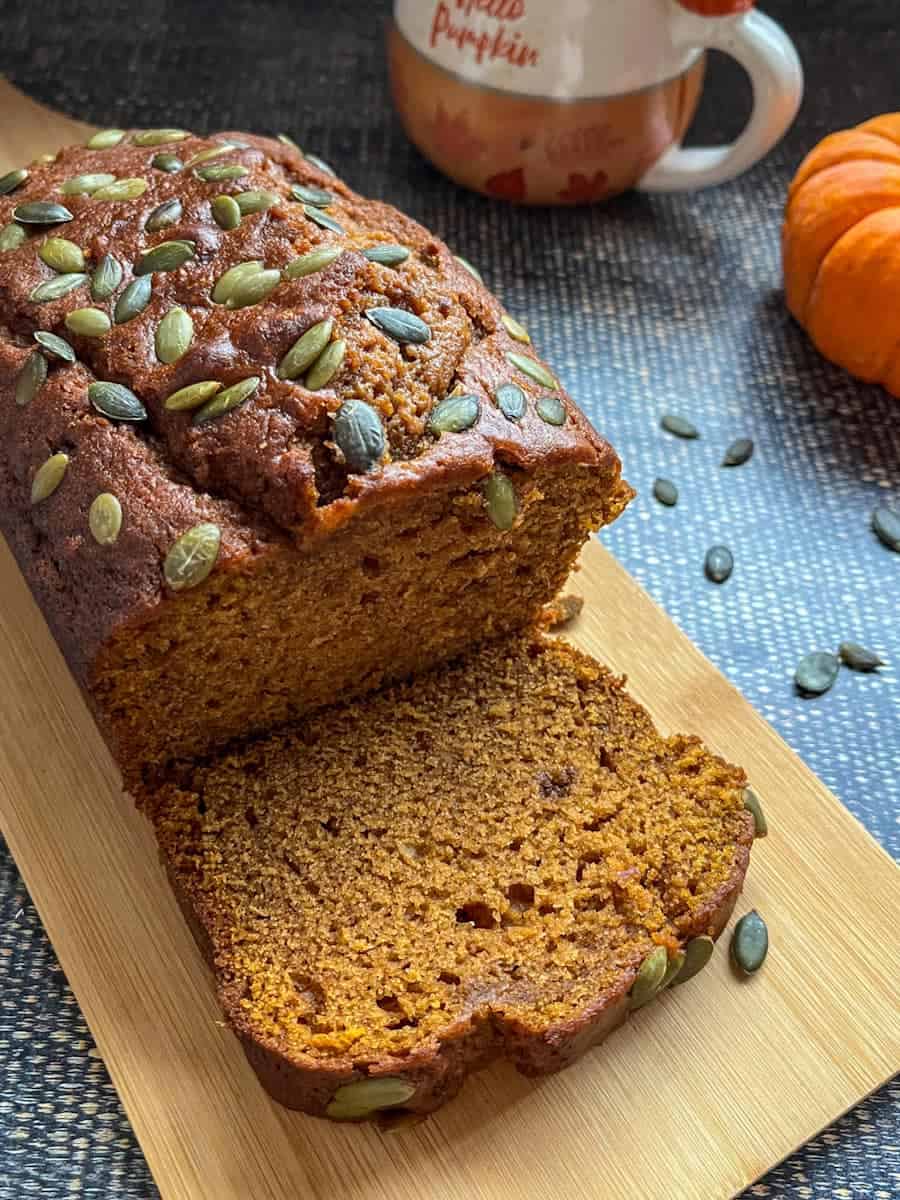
(570, 101)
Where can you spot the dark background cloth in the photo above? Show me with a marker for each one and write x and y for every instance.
(645, 305)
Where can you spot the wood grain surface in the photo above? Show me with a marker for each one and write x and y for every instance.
(696, 1097)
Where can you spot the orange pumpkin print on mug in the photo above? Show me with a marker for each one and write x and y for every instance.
(539, 102)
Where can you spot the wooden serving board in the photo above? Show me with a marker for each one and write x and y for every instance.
(696, 1097)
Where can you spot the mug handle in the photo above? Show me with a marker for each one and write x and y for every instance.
(769, 57)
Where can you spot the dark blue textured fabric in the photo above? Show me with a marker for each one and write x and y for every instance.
(644, 306)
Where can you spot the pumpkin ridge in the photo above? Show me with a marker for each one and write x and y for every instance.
(874, 126)
(848, 150)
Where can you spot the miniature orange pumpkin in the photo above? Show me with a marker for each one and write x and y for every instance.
(841, 249)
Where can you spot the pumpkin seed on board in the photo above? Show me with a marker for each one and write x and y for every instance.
(309, 264)
(226, 213)
(253, 288)
(219, 172)
(665, 492)
(105, 518)
(133, 300)
(88, 322)
(48, 477)
(322, 219)
(511, 401)
(192, 556)
(697, 954)
(11, 180)
(170, 163)
(356, 1100)
(886, 524)
(164, 214)
(753, 805)
(739, 452)
(359, 435)
(11, 237)
(515, 330)
(551, 410)
(816, 673)
(166, 256)
(858, 658)
(54, 345)
(174, 335)
(255, 201)
(86, 185)
(387, 254)
(307, 194)
(719, 564)
(122, 189)
(41, 212)
(116, 401)
(649, 978)
(319, 163)
(57, 287)
(532, 368)
(227, 400)
(235, 275)
(326, 366)
(399, 324)
(501, 501)
(306, 350)
(44, 158)
(749, 943)
(106, 277)
(62, 255)
(473, 271)
(31, 378)
(159, 137)
(193, 395)
(680, 426)
(454, 415)
(676, 962)
(104, 139)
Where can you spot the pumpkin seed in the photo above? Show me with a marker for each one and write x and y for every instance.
(164, 214)
(104, 139)
(326, 366)
(738, 452)
(116, 401)
(501, 501)
(254, 202)
(133, 300)
(226, 400)
(387, 255)
(534, 370)
(106, 278)
(31, 378)
(41, 212)
(159, 137)
(306, 194)
(288, 141)
(551, 410)
(697, 954)
(320, 163)
(665, 492)
(174, 335)
(306, 350)
(122, 189)
(57, 287)
(753, 805)
(88, 322)
(85, 185)
(858, 658)
(62, 255)
(226, 213)
(473, 271)
(48, 477)
(219, 172)
(649, 978)
(54, 345)
(676, 962)
(514, 329)
(192, 556)
(211, 152)
(11, 180)
(816, 673)
(170, 163)
(105, 518)
(680, 426)
(45, 158)
(750, 943)
(719, 564)
(321, 218)
(454, 415)
(399, 324)
(232, 277)
(253, 288)
(365, 1096)
(511, 401)
(11, 237)
(359, 435)
(316, 260)
(886, 524)
(193, 395)
(166, 256)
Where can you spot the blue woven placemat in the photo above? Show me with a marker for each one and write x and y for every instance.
(645, 306)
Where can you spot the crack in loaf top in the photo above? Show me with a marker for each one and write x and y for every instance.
(396, 384)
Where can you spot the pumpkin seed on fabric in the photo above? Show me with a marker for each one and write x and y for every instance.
(473, 271)
(387, 255)
(220, 172)
(54, 345)
(532, 368)
(454, 415)
(515, 329)
(165, 214)
(227, 400)
(326, 366)
(816, 673)
(697, 954)
(511, 401)
(739, 452)
(359, 435)
(306, 350)
(62, 255)
(86, 185)
(858, 658)
(232, 278)
(192, 396)
(551, 410)
(309, 264)
(174, 335)
(253, 288)
(166, 256)
(133, 300)
(88, 322)
(753, 805)
(106, 277)
(48, 477)
(170, 163)
(11, 180)
(159, 137)
(307, 194)
(649, 978)
(356, 1100)
(501, 501)
(122, 189)
(320, 163)
(719, 564)
(665, 492)
(104, 139)
(750, 943)
(680, 426)
(115, 401)
(31, 378)
(402, 326)
(57, 287)
(11, 237)
(886, 524)
(226, 213)
(255, 201)
(192, 556)
(105, 519)
(41, 212)
(322, 219)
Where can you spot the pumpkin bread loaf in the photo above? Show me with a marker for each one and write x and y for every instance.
(499, 858)
(264, 443)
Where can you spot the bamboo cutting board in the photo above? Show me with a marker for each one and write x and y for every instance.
(695, 1098)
